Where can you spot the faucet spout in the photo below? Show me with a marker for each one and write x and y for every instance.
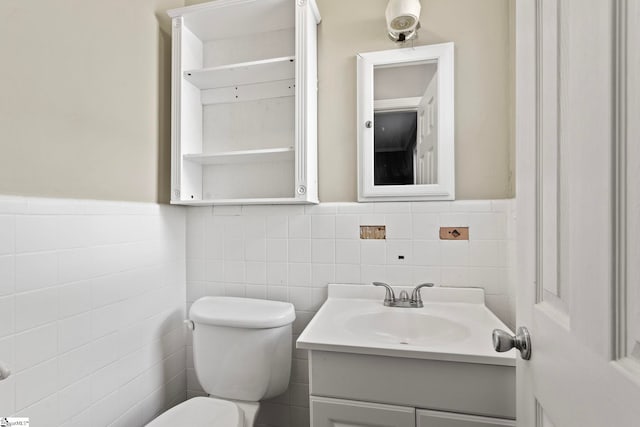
(403, 300)
(416, 297)
(390, 296)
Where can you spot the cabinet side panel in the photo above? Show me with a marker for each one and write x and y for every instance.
(176, 82)
(306, 103)
(191, 117)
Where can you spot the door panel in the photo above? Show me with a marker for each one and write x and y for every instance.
(326, 412)
(577, 201)
(427, 146)
(628, 161)
(426, 418)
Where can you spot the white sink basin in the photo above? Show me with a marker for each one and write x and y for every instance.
(406, 327)
(453, 325)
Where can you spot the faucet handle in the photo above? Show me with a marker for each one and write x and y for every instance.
(415, 295)
(390, 296)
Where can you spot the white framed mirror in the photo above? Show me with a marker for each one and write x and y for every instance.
(406, 124)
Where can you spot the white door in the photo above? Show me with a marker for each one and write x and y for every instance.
(427, 143)
(578, 192)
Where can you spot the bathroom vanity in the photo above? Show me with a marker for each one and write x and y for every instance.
(372, 365)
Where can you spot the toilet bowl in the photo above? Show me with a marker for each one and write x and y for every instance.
(201, 412)
(241, 354)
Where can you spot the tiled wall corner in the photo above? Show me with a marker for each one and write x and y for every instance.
(91, 310)
(291, 253)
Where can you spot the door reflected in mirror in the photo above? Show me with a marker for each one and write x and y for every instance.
(406, 151)
(405, 136)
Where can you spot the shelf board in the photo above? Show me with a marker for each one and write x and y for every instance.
(245, 156)
(257, 201)
(244, 73)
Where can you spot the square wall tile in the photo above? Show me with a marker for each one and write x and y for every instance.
(323, 227)
(277, 250)
(347, 227)
(373, 252)
(7, 275)
(347, 251)
(425, 226)
(7, 234)
(36, 233)
(7, 310)
(299, 227)
(299, 250)
(35, 346)
(36, 271)
(323, 251)
(399, 226)
(277, 227)
(36, 308)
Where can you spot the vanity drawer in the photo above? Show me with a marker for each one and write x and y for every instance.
(426, 418)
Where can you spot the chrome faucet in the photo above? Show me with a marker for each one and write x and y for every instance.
(403, 300)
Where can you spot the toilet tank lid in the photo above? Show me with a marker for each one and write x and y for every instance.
(242, 312)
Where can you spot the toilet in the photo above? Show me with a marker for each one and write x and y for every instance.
(241, 355)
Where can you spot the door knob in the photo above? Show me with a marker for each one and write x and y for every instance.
(4, 371)
(503, 341)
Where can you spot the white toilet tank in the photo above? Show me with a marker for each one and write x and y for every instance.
(242, 346)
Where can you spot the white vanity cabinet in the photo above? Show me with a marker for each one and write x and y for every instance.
(358, 390)
(244, 102)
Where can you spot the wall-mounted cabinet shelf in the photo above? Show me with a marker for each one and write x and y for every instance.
(266, 70)
(244, 102)
(246, 156)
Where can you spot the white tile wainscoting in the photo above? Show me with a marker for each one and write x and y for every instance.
(91, 307)
(92, 293)
(291, 253)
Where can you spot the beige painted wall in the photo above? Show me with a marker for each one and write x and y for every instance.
(84, 104)
(84, 110)
(483, 85)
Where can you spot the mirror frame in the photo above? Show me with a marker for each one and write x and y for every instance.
(445, 188)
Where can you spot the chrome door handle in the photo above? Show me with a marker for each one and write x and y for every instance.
(503, 341)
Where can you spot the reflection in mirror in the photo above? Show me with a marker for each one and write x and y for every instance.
(405, 131)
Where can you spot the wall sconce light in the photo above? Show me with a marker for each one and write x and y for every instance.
(402, 19)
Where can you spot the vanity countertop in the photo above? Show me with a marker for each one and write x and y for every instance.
(454, 325)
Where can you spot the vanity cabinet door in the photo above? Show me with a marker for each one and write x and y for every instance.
(425, 418)
(326, 412)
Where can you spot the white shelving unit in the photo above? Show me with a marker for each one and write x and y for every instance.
(244, 102)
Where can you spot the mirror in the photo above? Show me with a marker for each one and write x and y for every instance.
(405, 124)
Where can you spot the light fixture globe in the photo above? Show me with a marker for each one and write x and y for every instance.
(402, 19)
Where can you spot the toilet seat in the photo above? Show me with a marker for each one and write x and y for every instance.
(201, 412)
